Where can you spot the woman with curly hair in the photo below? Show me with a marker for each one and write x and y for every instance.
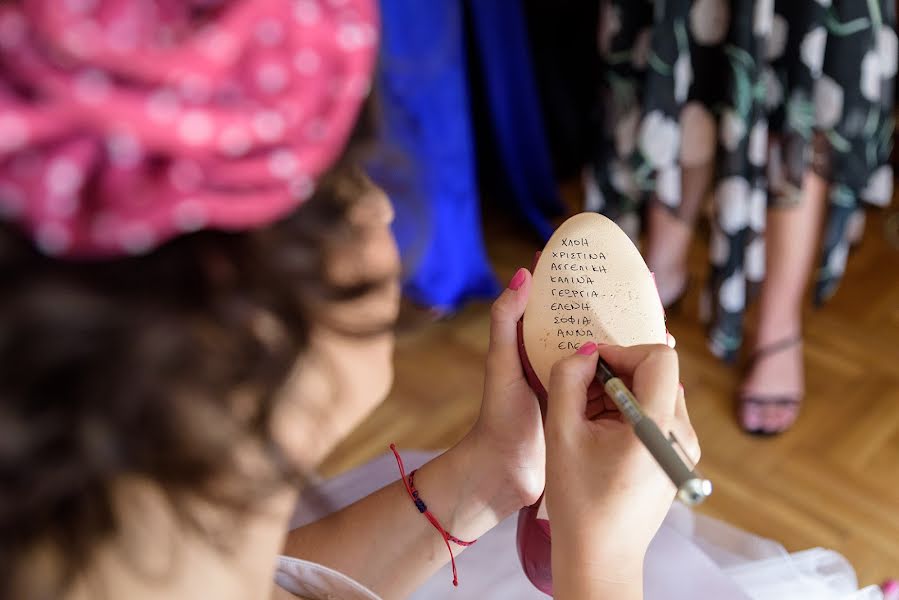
(198, 289)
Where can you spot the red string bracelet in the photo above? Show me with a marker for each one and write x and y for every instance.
(409, 482)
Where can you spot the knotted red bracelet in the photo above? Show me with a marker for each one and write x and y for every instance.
(409, 482)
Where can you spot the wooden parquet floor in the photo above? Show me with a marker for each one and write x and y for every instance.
(832, 481)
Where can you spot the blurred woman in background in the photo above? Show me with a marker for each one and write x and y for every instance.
(782, 111)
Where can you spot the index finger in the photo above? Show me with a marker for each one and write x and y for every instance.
(654, 371)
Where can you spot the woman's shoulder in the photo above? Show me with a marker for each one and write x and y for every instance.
(297, 578)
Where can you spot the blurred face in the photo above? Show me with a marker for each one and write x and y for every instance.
(343, 376)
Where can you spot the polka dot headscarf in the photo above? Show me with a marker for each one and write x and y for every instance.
(124, 123)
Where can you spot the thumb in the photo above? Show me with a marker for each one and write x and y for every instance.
(502, 356)
(568, 382)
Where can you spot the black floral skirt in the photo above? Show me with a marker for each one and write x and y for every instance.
(740, 98)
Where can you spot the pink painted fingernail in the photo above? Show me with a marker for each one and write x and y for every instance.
(517, 279)
(587, 349)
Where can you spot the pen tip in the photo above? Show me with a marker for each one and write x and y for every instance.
(603, 371)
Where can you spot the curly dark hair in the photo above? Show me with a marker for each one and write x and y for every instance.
(129, 367)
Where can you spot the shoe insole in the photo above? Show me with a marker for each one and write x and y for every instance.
(589, 284)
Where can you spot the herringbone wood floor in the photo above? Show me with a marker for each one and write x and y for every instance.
(832, 481)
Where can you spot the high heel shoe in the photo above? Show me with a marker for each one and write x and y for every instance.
(675, 305)
(747, 402)
(589, 284)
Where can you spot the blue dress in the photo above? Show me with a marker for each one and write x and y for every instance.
(427, 160)
(427, 163)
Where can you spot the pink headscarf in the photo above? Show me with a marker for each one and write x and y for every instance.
(124, 123)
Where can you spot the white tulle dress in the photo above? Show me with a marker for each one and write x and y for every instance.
(692, 557)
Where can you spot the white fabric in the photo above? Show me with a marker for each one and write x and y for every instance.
(692, 557)
(315, 582)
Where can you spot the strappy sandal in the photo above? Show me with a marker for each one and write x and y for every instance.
(744, 400)
(675, 305)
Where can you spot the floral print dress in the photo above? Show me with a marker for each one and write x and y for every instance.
(740, 98)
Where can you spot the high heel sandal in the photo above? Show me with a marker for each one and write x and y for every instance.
(676, 304)
(745, 400)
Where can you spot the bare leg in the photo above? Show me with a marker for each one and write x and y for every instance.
(792, 233)
(668, 240)
(669, 232)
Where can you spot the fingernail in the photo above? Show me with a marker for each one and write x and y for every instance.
(681, 386)
(587, 349)
(517, 280)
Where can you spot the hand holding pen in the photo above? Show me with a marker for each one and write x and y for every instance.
(605, 494)
(692, 488)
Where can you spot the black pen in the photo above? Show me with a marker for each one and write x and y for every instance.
(692, 488)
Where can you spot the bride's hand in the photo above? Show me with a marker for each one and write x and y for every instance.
(605, 493)
(507, 439)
